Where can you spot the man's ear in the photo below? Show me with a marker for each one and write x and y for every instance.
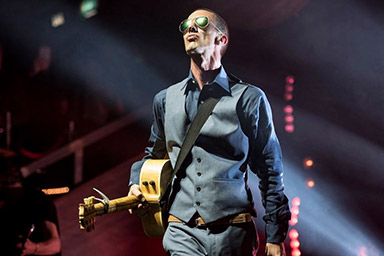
(221, 38)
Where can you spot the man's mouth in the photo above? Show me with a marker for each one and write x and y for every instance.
(192, 37)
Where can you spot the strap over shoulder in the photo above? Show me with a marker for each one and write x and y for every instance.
(193, 132)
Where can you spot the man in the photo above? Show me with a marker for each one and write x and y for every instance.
(210, 202)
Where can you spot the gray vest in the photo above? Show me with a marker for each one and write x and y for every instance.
(213, 183)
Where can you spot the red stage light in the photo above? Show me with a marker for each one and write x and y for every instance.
(288, 109)
(295, 210)
(288, 96)
(293, 234)
(290, 79)
(289, 88)
(296, 252)
(294, 244)
(289, 118)
(310, 183)
(296, 201)
(293, 220)
(290, 128)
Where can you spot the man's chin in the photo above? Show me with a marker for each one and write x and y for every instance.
(192, 51)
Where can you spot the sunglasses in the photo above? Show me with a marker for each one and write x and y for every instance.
(201, 22)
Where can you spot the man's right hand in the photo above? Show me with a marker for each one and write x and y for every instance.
(142, 208)
(275, 249)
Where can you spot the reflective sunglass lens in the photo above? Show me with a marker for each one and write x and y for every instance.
(184, 25)
(201, 21)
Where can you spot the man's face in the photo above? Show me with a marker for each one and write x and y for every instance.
(198, 40)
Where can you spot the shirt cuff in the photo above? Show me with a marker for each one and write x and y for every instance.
(135, 173)
(276, 233)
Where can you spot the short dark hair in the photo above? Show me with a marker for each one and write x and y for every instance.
(220, 23)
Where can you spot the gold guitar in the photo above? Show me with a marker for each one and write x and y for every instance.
(154, 178)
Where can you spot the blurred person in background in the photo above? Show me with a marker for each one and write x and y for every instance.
(28, 219)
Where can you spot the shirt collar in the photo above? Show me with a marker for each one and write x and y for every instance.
(221, 79)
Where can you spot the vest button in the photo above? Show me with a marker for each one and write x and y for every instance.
(198, 160)
(198, 189)
(199, 174)
(198, 203)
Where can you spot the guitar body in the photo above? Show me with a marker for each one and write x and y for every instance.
(154, 178)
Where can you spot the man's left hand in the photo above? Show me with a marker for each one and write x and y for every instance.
(272, 249)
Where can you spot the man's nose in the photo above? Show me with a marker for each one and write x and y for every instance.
(192, 28)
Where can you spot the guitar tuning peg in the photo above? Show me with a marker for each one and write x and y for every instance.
(104, 201)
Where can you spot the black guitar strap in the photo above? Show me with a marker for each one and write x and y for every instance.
(202, 115)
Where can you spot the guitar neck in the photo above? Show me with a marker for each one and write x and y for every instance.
(117, 205)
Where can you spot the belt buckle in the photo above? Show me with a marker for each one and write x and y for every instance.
(199, 225)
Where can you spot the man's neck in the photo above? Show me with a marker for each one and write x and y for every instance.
(205, 70)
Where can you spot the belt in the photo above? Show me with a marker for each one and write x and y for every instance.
(232, 219)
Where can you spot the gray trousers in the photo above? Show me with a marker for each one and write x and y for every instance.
(224, 240)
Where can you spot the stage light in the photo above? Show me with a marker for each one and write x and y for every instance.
(57, 20)
(288, 96)
(290, 128)
(295, 210)
(308, 162)
(293, 234)
(294, 244)
(288, 109)
(289, 87)
(296, 201)
(293, 221)
(296, 252)
(88, 8)
(289, 118)
(327, 231)
(289, 79)
(310, 183)
(56, 191)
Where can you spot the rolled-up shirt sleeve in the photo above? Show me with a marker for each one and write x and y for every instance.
(157, 149)
(265, 160)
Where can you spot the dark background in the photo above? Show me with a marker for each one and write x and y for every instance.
(113, 63)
